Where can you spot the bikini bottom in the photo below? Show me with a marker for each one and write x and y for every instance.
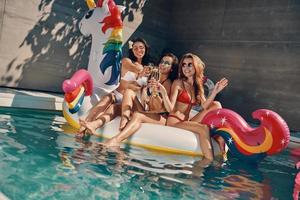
(176, 117)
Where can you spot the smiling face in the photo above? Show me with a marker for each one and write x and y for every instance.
(139, 50)
(188, 68)
(165, 65)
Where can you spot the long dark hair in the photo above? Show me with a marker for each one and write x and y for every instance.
(173, 75)
(145, 59)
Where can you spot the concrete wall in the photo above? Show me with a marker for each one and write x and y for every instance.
(40, 44)
(254, 43)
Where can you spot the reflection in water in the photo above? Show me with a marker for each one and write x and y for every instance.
(40, 158)
(243, 185)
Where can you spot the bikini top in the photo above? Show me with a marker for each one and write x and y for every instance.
(131, 76)
(184, 97)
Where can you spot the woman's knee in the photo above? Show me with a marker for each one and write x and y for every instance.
(204, 131)
(137, 116)
(129, 93)
(216, 105)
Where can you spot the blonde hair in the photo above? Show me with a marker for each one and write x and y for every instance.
(199, 75)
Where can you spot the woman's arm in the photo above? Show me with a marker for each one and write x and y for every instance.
(169, 103)
(168, 84)
(130, 66)
(219, 86)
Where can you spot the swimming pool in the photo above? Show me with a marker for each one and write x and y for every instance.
(40, 159)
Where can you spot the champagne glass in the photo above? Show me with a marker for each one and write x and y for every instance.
(154, 75)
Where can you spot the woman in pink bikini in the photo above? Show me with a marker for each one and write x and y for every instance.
(133, 76)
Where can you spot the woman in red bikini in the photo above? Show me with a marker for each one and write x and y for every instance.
(188, 91)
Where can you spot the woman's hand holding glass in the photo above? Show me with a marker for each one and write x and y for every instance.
(153, 86)
(147, 69)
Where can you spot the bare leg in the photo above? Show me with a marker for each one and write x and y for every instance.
(214, 105)
(109, 114)
(204, 137)
(100, 107)
(96, 111)
(133, 126)
(198, 118)
(129, 99)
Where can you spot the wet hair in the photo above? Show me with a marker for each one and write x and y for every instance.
(199, 75)
(173, 75)
(145, 59)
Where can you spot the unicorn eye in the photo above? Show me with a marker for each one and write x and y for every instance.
(89, 14)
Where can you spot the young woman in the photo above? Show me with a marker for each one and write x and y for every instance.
(132, 76)
(157, 113)
(168, 69)
(188, 91)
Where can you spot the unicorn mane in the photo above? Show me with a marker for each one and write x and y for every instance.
(113, 47)
(113, 55)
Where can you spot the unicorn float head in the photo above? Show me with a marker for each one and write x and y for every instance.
(104, 24)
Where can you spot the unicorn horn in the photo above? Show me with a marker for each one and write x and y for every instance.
(91, 4)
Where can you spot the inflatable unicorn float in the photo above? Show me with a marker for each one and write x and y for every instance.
(103, 22)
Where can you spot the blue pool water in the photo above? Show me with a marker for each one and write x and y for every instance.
(41, 159)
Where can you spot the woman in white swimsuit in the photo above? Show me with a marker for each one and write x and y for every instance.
(133, 76)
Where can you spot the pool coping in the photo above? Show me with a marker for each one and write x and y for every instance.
(30, 99)
(18, 98)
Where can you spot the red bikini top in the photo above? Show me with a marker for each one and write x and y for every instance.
(184, 97)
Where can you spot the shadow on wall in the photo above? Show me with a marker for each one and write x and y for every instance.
(54, 48)
(57, 48)
(149, 20)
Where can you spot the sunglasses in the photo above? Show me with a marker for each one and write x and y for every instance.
(165, 63)
(187, 64)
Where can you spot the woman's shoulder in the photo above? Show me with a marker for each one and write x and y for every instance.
(126, 60)
(177, 82)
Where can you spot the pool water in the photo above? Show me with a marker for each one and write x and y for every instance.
(41, 159)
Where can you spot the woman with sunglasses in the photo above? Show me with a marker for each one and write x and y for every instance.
(133, 76)
(157, 113)
(188, 91)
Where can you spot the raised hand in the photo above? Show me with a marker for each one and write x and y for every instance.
(162, 89)
(220, 85)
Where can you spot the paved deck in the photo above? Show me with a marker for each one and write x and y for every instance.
(30, 99)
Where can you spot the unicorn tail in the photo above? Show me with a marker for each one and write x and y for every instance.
(271, 137)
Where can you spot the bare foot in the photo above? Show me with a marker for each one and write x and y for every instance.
(221, 143)
(91, 127)
(112, 142)
(123, 122)
(82, 128)
(204, 163)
